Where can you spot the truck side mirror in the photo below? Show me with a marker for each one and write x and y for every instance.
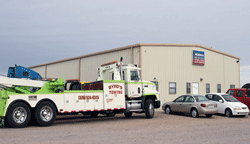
(121, 59)
(221, 101)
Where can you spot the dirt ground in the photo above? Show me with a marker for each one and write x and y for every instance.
(162, 128)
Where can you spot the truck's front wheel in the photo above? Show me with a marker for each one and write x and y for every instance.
(45, 113)
(19, 115)
(149, 108)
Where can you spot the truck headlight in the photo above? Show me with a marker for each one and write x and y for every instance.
(237, 108)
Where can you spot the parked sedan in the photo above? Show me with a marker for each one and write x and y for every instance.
(191, 104)
(228, 104)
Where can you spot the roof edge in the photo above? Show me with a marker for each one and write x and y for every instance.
(189, 45)
(133, 46)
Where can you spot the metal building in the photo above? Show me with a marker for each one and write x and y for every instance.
(179, 68)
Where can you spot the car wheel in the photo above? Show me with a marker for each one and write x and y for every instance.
(168, 110)
(45, 113)
(228, 113)
(19, 115)
(194, 113)
(208, 115)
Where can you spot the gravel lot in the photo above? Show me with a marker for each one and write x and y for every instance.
(162, 128)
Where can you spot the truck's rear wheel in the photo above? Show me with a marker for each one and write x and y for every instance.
(128, 115)
(19, 115)
(94, 115)
(110, 114)
(45, 113)
(149, 108)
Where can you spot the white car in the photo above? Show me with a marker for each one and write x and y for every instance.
(228, 105)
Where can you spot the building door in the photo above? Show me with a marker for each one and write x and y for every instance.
(196, 88)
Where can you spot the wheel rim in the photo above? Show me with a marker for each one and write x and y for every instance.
(151, 109)
(19, 115)
(167, 110)
(194, 113)
(46, 113)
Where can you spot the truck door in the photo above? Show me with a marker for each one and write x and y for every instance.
(135, 85)
(69, 101)
(113, 95)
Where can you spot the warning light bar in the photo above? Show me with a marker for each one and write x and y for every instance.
(109, 63)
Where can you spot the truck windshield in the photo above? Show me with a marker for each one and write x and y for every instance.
(229, 98)
(134, 75)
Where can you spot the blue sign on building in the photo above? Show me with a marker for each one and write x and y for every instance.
(198, 57)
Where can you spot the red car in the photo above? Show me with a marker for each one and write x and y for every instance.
(241, 94)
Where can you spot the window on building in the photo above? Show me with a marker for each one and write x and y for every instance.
(207, 88)
(218, 88)
(188, 88)
(232, 86)
(172, 88)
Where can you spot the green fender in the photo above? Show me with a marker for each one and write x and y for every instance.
(149, 94)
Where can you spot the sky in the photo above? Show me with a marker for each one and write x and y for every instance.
(37, 32)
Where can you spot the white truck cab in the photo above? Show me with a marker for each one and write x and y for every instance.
(137, 91)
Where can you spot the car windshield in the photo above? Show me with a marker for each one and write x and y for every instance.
(229, 98)
(200, 98)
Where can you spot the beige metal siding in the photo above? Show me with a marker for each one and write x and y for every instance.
(65, 70)
(232, 73)
(174, 64)
(40, 70)
(89, 65)
(136, 52)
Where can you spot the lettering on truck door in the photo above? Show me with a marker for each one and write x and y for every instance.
(114, 96)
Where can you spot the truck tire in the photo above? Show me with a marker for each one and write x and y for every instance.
(19, 115)
(94, 115)
(128, 114)
(75, 86)
(149, 108)
(110, 114)
(45, 113)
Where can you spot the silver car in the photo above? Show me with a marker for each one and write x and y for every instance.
(191, 104)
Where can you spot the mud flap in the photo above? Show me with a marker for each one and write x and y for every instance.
(3, 104)
(2, 122)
